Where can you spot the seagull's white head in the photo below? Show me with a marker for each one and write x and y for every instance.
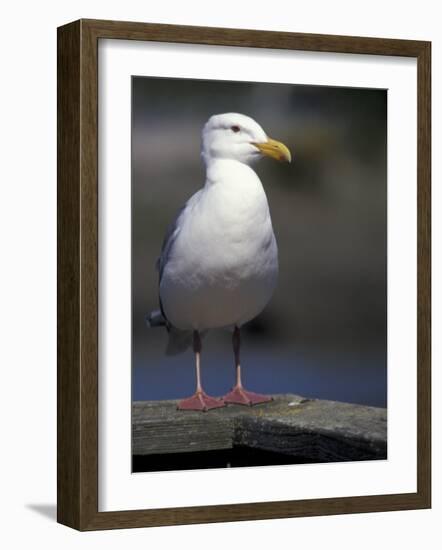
(238, 137)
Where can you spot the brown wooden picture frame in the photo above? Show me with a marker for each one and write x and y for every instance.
(77, 462)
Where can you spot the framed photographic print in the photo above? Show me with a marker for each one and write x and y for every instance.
(243, 275)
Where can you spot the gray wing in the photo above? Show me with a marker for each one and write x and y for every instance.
(171, 235)
(168, 243)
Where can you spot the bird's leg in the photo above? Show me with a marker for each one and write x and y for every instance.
(238, 395)
(199, 401)
(197, 350)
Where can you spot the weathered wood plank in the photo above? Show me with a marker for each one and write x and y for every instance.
(314, 429)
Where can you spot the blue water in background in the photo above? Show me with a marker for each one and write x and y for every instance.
(352, 377)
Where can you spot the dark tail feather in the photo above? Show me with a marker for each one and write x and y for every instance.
(178, 341)
(155, 319)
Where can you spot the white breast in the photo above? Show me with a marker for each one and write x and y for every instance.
(223, 265)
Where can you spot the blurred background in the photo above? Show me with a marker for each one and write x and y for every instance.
(324, 333)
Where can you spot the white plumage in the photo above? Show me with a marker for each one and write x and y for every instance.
(223, 264)
(219, 261)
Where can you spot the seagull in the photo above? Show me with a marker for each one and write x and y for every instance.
(218, 266)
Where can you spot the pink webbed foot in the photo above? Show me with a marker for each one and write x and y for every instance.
(240, 396)
(200, 401)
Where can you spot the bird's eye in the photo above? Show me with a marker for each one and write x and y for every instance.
(235, 129)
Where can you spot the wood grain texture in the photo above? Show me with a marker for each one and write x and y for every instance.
(315, 429)
(424, 274)
(78, 276)
(68, 276)
(77, 222)
(252, 38)
(89, 276)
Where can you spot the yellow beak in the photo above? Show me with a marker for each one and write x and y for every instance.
(274, 149)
